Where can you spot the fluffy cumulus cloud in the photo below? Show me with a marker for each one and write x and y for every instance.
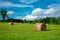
(28, 1)
(10, 12)
(30, 17)
(52, 11)
(9, 4)
(39, 11)
(56, 6)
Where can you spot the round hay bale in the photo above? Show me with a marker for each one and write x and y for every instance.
(11, 23)
(43, 27)
(37, 26)
(40, 27)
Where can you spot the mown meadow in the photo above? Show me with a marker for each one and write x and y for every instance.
(24, 31)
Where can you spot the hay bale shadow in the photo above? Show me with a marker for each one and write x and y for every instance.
(48, 30)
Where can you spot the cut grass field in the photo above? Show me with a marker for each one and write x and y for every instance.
(24, 31)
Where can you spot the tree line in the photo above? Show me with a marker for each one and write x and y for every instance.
(51, 20)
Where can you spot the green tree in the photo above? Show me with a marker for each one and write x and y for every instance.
(58, 20)
(53, 20)
(46, 20)
(4, 14)
(25, 21)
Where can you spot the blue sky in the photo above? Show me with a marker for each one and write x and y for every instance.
(31, 9)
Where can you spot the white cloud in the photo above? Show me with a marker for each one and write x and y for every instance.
(9, 4)
(28, 1)
(18, 17)
(27, 17)
(10, 12)
(51, 11)
(30, 17)
(43, 13)
(37, 12)
(42, 16)
(56, 6)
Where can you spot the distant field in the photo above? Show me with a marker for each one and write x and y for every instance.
(24, 31)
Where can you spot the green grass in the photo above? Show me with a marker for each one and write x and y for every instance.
(24, 31)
